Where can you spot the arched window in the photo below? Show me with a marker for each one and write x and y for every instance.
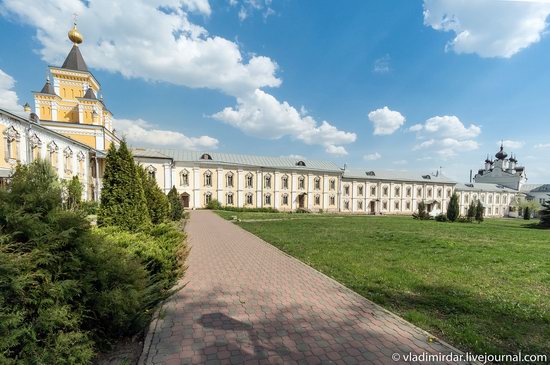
(409, 192)
(68, 160)
(332, 200)
(300, 163)
(267, 181)
(285, 199)
(301, 182)
(151, 172)
(229, 179)
(346, 189)
(439, 193)
(207, 198)
(317, 183)
(332, 184)
(360, 205)
(184, 178)
(249, 180)
(52, 153)
(449, 193)
(208, 178)
(81, 158)
(36, 146)
(346, 204)
(385, 191)
(419, 192)
(284, 181)
(206, 156)
(397, 191)
(249, 199)
(317, 199)
(373, 190)
(429, 192)
(267, 199)
(229, 199)
(360, 190)
(11, 142)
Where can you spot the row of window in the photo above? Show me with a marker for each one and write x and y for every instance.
(489, 199)
(249, 181)
(397, 191)
(12, 151)
(249, 199)
(384, 205)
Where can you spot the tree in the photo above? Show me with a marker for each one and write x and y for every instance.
(157, 202)
(176, 208)
(453, 209)
(421, 212)
(526, 213)
(72, 193)
(545, 214)
(123, 200)
(471, 214)
(479, 211)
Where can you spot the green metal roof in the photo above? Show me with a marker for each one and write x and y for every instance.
(391, 175)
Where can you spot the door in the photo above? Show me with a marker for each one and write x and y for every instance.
(372, 207)
(185, 200)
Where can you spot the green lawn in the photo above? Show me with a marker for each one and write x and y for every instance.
(482, 287)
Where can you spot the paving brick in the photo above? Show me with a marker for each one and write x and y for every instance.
(247, 302)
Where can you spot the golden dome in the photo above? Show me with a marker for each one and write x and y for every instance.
(75, 36)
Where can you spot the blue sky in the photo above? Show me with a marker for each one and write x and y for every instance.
(342, 82)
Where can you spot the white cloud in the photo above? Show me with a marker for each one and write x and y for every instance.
(8, 97)
(489, 28)
(247, 7)
(446, 135)
(400, 162)
(542, 145)
(141, 132)
(336, 150)
(156, 41)
(416, 128)
(451, 126)
(386, 121)
(372, 156)
(262, 115)
(511, 144)
(382, 65)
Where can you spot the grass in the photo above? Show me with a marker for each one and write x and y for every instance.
(482, 287)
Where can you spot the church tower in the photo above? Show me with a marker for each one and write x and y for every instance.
(69, 104)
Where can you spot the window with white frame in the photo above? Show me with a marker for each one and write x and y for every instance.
(229, 199)
(207, 178)
(285, 199)
(439, 193)
(449, 193)
(267, 181)
(396, 205)
(360, 190)
(409, 192)
(317, 199)
(419, 192)
(249, 181)
(385, 191)
(11, 142)
(397, 191)
(408, 205)
(360, 205)
(184, 178)
(267, 199)
(36, 146)
(284, 182)
(151, 172)
(385, 205)
(332, 184)
(249, 199)
(317, 183)
(52, 153)
(301, 182)
(346, 189)
(81, 164)
(229, 179)
(207, 198)
(429, 192)
(497, 199)
(332, 200)
(68, 160)
(373, 191)
(346, 204)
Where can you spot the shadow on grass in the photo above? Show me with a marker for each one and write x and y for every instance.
(471, 322)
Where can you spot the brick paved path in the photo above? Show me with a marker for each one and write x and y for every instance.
(247, 302)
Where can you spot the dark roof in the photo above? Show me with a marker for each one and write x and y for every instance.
(48, 88)
(75, 61)
(90, 94)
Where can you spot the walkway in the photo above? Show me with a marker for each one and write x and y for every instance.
(247, 302)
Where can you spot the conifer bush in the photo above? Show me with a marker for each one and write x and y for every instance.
(123, 200)
(544, 214)
(471, 213)
(453, 209)
(176, 208)
(157, 202)
(480, 211)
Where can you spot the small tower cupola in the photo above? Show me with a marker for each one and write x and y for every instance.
(501, 155)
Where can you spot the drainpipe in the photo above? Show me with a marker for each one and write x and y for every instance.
(96, 178)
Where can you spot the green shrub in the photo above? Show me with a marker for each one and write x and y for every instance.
(471, 214)
(176, 207)
(480, 210)
(157, 202)
(545, 214)
(441, 218)
(252, 210)
(453, 209)
(421, 212)
(526, 213)
(214, 204)
(301, 210)
(89, 207)
(123, 200)
(72, 193)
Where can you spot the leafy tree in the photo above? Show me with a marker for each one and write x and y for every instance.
(453, 209)
(214, 204)
(157, 202)
(480, 210)
(123, 200)
(72, 193)
(471, 214)
(526, 213)
(176, 208)
(545, 214)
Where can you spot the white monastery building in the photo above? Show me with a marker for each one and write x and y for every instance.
(71, 128)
